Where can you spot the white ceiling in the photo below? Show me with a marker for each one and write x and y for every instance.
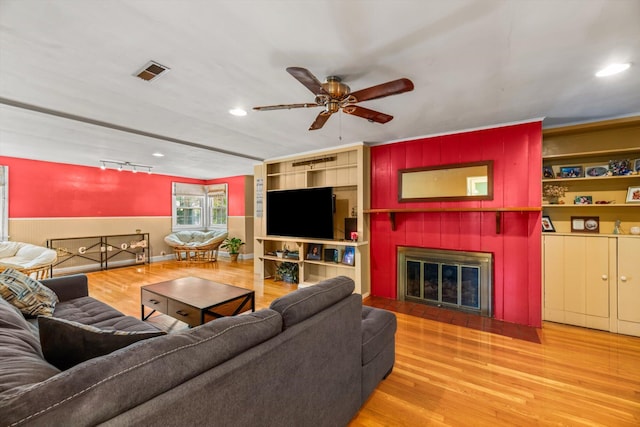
(474, 63)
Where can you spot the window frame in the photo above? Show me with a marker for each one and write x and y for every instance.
(206, 195)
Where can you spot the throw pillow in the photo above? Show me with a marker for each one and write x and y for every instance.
(28, 295)
(66, 343)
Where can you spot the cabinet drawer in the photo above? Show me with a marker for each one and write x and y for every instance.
(184, 313)
(154, 301)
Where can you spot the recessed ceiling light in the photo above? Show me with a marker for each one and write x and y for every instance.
(238, 112)
(612, 69)
(157, 154)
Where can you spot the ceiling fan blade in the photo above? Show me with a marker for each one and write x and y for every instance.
(305, 77)
(365, 113)
(321, 119)
(286, 106)
(379, 91)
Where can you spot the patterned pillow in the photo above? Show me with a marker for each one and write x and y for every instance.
(66, 343)
(31, 297)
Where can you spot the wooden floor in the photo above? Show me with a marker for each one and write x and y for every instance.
(451, 375)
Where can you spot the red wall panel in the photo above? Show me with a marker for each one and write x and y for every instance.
(516, 152)
(47, 190)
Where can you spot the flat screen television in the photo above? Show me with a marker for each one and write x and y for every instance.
(306, 212)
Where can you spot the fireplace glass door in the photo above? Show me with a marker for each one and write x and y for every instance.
(447, 284)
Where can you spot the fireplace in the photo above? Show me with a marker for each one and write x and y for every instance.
(458, 280)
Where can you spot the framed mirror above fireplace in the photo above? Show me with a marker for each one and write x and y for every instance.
(452, 182)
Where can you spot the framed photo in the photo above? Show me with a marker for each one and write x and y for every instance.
(140, 257)
(349, 256)
(547, 225)
(595, 171)
(547, 172)
(585, 224)
(633, 195)
(583, 200)
(314, 251)
(636, 165)
(571, 171)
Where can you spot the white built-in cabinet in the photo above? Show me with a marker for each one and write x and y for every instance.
(593, 281)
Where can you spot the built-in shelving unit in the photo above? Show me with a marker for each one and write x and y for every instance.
(346, 170)
(591, 279)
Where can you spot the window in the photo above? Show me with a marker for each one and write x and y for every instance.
(199, 207)
(217, 202)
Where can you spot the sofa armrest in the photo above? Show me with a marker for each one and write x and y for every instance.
(68, 287)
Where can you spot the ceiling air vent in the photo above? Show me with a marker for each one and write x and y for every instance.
(151, 71)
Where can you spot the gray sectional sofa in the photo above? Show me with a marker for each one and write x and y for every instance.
(312, 358)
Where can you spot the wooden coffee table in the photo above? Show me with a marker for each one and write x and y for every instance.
(194, 300)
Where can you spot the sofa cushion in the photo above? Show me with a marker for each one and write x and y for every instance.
(66, 343)
(378, 330)
(89, 311)
(27, 294)
(304, 303)
(21, 360)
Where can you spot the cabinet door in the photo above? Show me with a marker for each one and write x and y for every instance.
(586, 277)
(554, 278)
(629, 279)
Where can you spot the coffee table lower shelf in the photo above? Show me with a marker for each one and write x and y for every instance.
(195, 301)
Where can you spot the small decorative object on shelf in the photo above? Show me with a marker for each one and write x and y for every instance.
(315, 251)
(585, 224)
(633, 195)
(583, 200)
(349, 255)
(354, 236)
(636, 166)
(571, 171)
(596, 171)
(331, 255)
(617, 228)
(547, 172)
(547, 225)
(553, 193)
(620, 167)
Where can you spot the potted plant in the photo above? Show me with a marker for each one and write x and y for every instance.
(288, 272)
(232, 245)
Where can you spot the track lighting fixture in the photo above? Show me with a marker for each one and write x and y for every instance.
(120, 165)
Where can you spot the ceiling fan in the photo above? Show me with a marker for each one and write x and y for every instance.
(334, 95)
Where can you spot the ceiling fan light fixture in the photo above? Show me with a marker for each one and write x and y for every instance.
(612, 69)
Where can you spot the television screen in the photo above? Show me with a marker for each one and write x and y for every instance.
(304, 212)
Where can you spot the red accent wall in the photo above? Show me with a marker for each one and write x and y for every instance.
(517, 154)
(40, 189)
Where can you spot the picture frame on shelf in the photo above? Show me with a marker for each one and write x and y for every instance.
(349, 257)
(583, 200)
(548, 173)
(585, 224)
(314, 251)
(571, 171)
(633, 194)
(620, 167)
(547, 225)
(596, 171)
(331, 255)
(636, 165)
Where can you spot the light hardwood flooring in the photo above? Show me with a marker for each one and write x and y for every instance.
(449, 375)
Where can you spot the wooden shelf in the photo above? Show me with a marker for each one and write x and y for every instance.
(594, 205)
(590, 178)
(392, 212)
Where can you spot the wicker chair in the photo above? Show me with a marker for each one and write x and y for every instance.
(196, 246)
(32, 260)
